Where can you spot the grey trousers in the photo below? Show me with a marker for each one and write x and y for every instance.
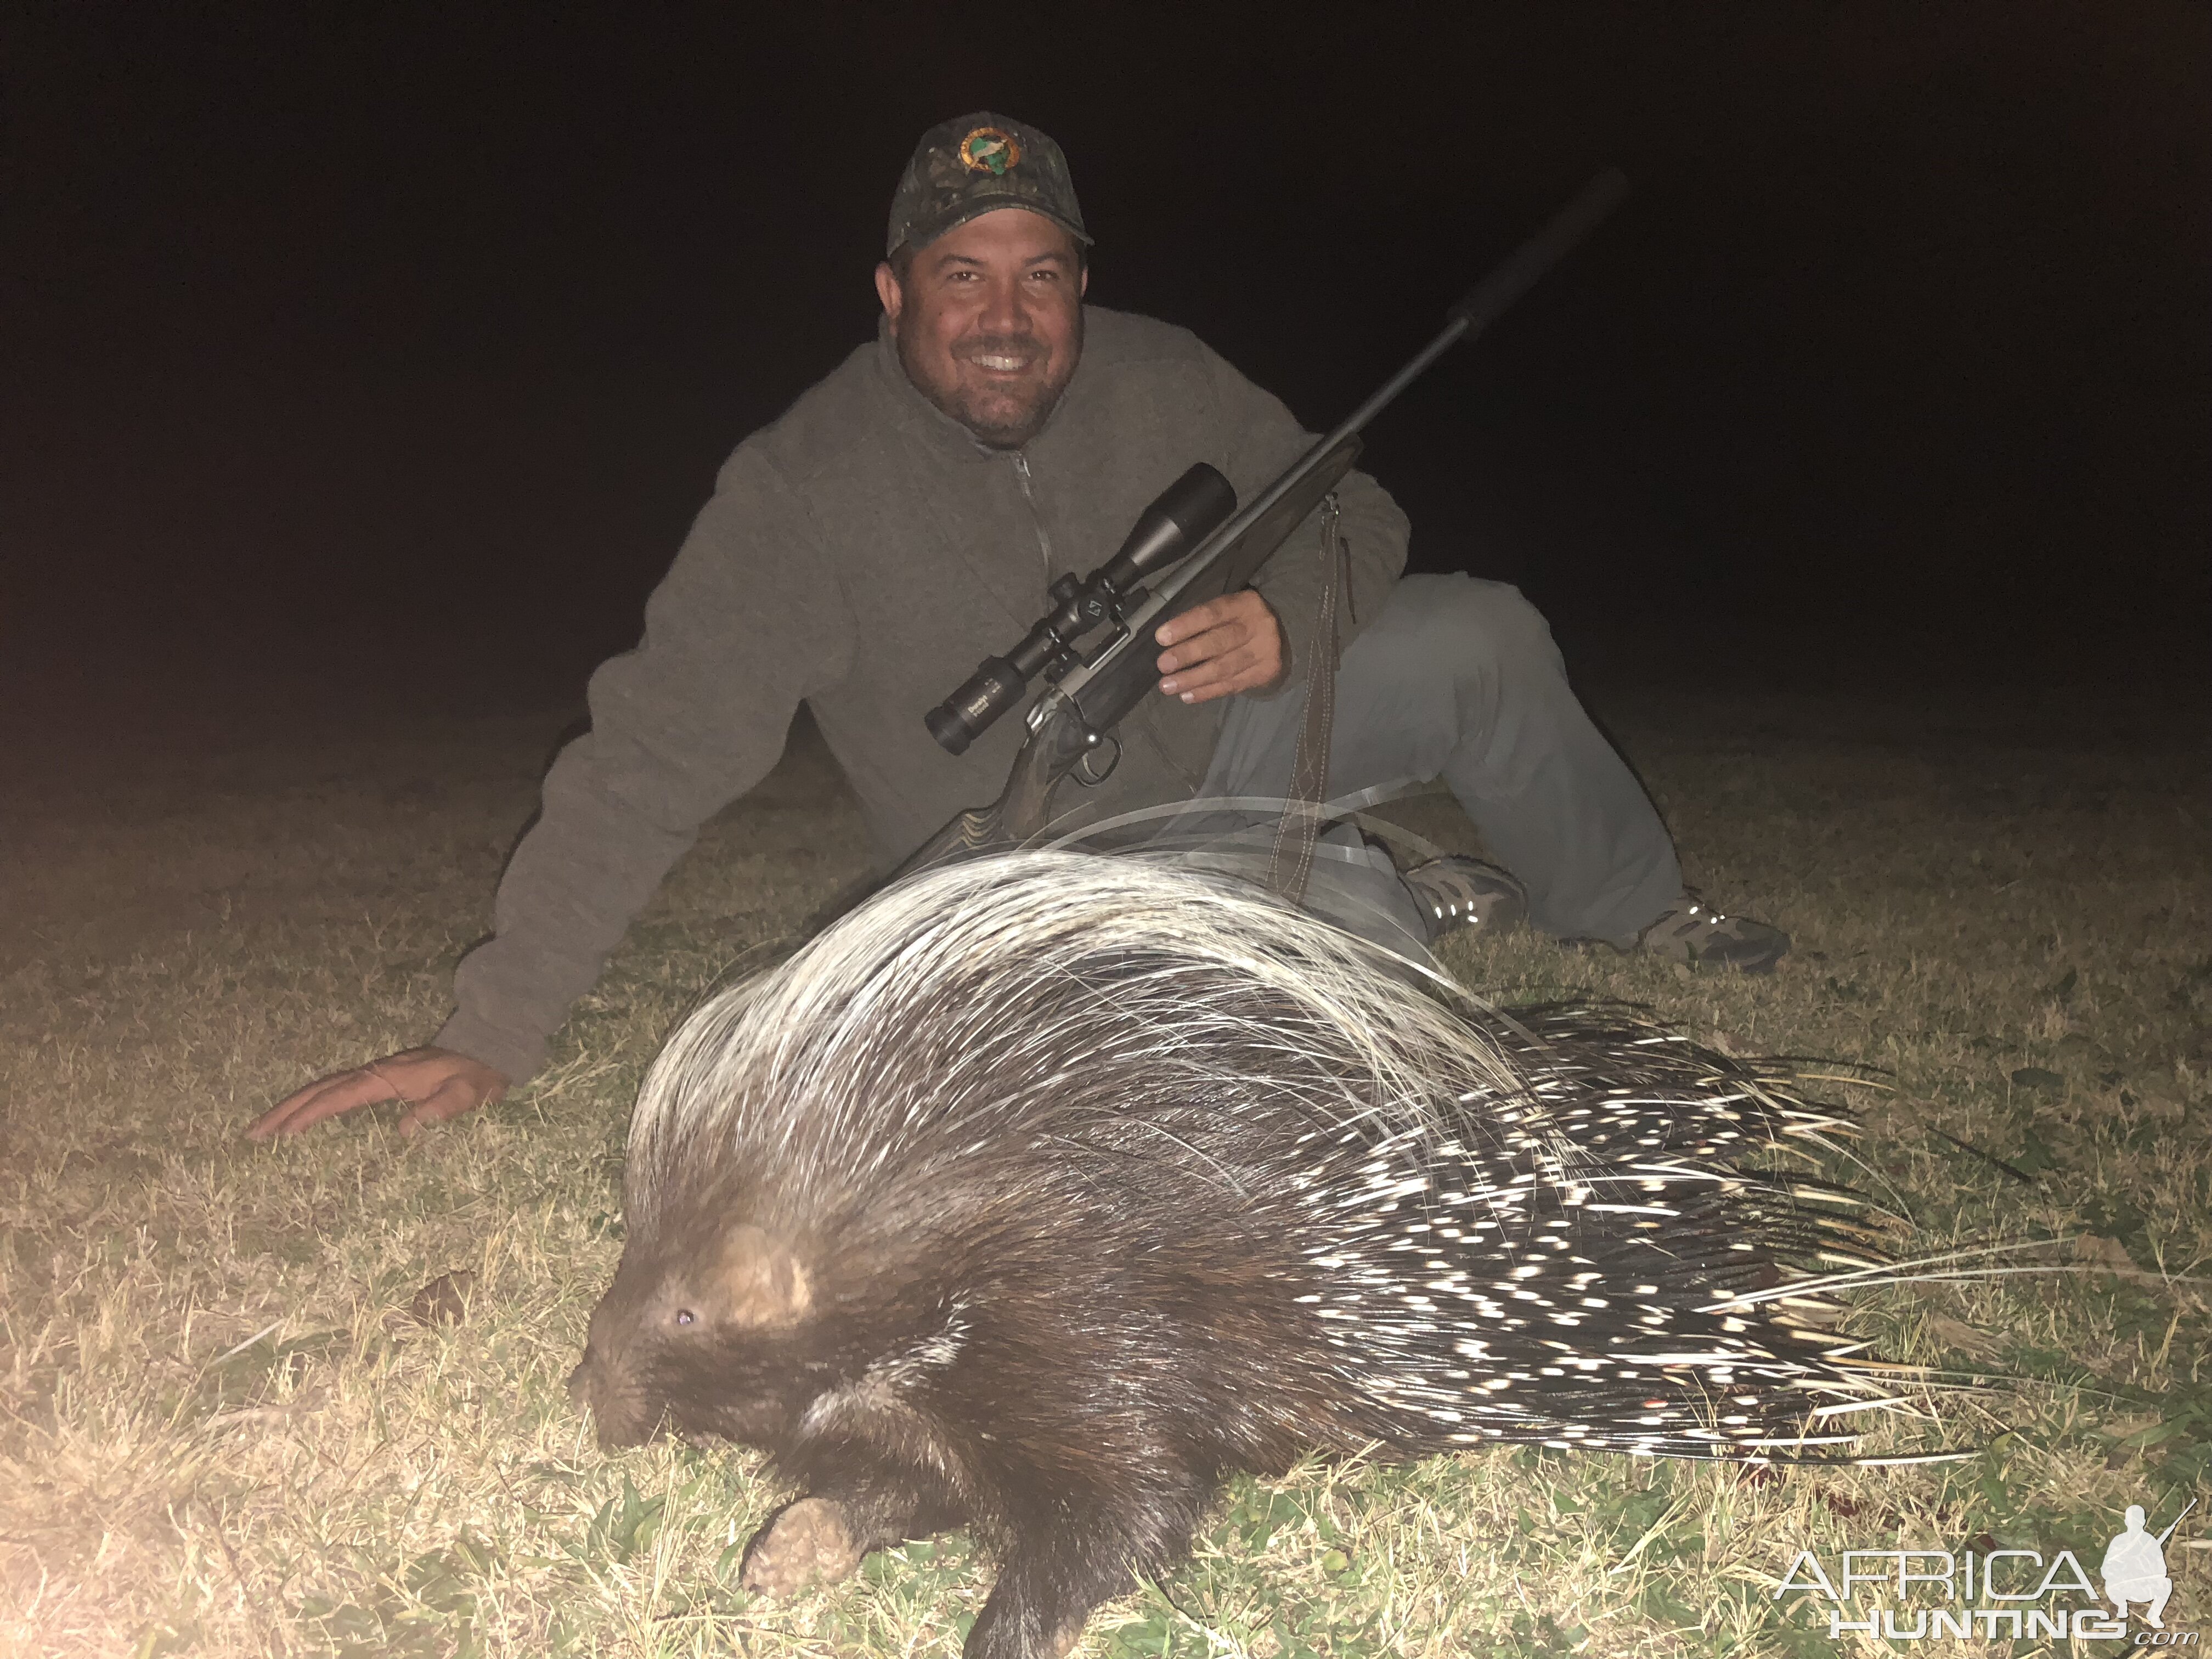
(1459, 679)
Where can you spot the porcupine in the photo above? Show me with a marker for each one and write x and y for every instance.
(1044, 1192)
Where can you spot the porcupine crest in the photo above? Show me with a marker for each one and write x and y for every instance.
(1464, 1227)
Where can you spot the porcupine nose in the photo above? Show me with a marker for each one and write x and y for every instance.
(616, 1421)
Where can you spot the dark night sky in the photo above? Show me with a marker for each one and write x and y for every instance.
(357, 343)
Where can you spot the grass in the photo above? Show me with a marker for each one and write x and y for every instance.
(235, 1418)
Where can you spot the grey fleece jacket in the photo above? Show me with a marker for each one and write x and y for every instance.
(862, 555)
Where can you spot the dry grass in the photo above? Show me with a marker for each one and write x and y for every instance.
(227, 1426)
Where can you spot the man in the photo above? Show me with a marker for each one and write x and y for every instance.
(904, 518)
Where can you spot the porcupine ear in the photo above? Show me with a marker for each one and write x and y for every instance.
(757, 1282)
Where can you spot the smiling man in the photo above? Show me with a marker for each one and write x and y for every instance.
(996, 327)
(904, 518)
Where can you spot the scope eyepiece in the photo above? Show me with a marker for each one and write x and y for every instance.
(995, 686)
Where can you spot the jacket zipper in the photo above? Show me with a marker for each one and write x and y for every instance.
(1037, 518)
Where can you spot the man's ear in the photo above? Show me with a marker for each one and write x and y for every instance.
(888, 290)
(757, 1282)
(1083, 283)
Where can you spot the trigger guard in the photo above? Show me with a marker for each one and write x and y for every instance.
(1088, 771)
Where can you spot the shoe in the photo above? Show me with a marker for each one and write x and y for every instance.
(1456, 892)
(1689, 930)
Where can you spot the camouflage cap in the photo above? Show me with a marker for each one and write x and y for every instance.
(975, 165)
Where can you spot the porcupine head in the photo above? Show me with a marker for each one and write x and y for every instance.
(720, 1327)
(700, 1333)
(760, 1316)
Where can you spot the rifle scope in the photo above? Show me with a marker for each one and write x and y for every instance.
(1186, 513)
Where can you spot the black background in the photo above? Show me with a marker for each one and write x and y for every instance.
(350, 351)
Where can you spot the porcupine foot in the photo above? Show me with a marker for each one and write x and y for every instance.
(809, 1542)
(821, 1538)
(1059, 1571)
(1043, 1597)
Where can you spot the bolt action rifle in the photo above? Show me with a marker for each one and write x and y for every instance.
(1094, 647)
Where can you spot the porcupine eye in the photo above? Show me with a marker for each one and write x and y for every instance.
(685, 1316)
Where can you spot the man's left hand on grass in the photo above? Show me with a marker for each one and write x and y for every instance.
(1226, 646)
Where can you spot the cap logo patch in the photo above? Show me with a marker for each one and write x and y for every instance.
(989, 149)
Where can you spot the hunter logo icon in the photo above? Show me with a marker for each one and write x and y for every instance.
(989, 149)
(2134, 1567)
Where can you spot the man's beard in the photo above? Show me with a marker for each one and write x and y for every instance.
(1002, 419)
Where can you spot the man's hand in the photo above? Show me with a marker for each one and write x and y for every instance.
(435, 1083)
(1226, 646)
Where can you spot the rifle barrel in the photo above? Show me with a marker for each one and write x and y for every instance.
(1477, 309)
(2177, 1521)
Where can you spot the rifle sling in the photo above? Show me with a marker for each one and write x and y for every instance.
(1292, 865)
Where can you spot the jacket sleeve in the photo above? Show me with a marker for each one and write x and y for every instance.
(747, 624)
(1265, 438)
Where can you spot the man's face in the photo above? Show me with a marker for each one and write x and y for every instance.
(989, 322)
